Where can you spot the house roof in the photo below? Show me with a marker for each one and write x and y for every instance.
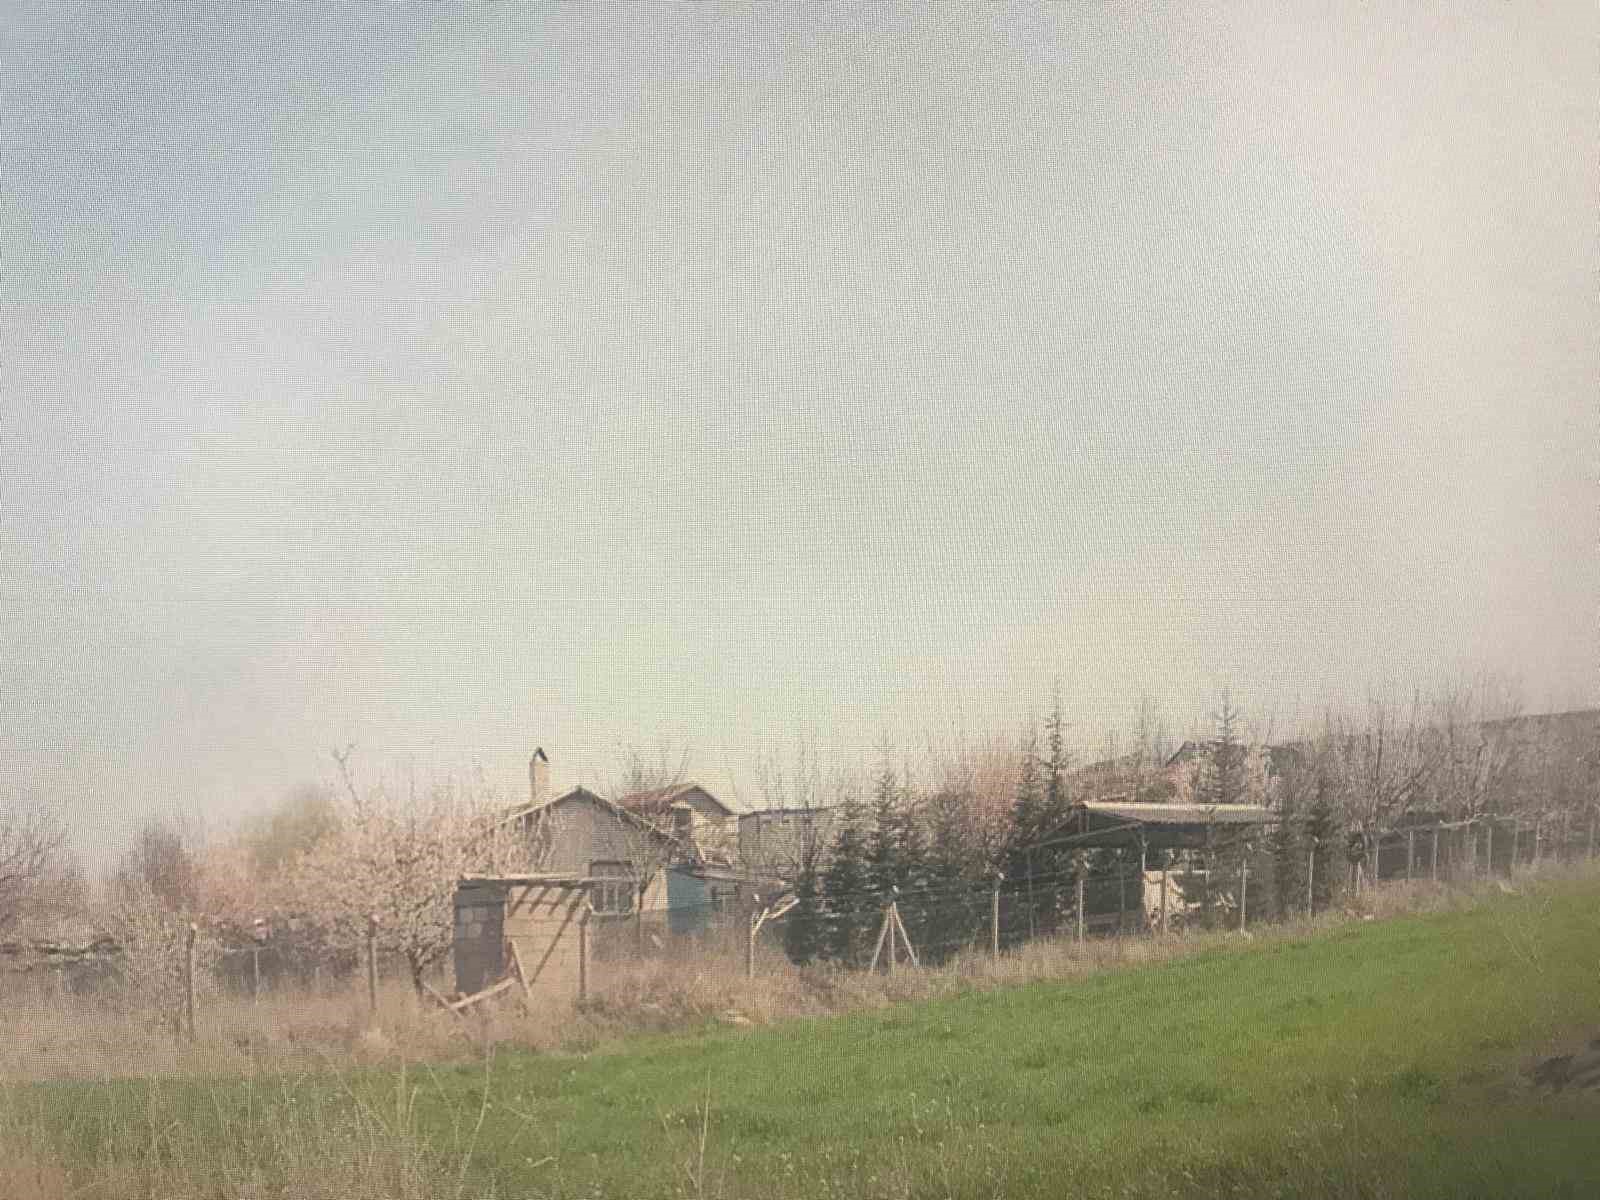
(659, 800)
(584, 795)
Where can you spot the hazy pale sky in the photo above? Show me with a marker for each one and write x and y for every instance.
(451, 378)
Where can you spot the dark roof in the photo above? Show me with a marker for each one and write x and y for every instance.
(1179, 814)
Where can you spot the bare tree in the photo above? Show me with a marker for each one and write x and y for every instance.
(32, 853)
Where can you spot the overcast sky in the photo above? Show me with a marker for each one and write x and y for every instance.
(452, 378)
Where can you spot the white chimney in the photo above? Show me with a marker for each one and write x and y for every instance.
(539, 777)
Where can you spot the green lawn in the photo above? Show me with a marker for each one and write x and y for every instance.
(1381, 1059)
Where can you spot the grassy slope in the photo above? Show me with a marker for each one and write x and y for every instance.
(1379, 1060)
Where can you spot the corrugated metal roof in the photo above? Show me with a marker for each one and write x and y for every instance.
(1181, 814)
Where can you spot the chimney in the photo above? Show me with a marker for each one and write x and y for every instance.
(539, 777)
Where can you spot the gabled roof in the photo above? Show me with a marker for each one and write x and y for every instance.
(659, 800)
(583, 795)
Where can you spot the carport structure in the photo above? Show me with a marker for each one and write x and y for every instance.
(1155, 836)
(1113, 824)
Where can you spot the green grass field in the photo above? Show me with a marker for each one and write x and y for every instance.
(1379, 1059)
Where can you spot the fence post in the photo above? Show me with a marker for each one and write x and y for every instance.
(1244, 883)
(1122, 894)
(1538, 838)
(1032, 932)
(1433, 867)
(1516, 838)
(889, 915)
(1411, 851)
(994, 916)
(750, 943)
(1592, 816)
(1311, 875)
(372, 963)
(583, 958)
(1166, 865)
(188, 979)
(1082, 870)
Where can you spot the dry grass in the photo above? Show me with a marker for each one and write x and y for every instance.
(47, 1034)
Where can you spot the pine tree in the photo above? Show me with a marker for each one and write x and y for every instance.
(957, 912)
(850, 909)
(1227, 754)
(1027, 823)
(803, 930)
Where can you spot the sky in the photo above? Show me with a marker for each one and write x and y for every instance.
(450, 379)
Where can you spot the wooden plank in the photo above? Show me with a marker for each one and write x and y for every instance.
(466, 1002)
(883, 932)
(428, 991)
(572, 910)
(516, 966)
(906, 937)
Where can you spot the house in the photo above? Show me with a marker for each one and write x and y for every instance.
(777, 844)
(694, 816)
(671, 851)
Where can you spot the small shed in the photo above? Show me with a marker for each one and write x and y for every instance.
(527, 928)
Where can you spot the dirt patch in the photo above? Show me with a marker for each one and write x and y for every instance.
(1578, 1071)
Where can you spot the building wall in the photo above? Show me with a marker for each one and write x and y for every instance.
(580, 832)
(776, 842)
(544, 922)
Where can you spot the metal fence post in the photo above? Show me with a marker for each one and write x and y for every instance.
(1311, 874)
(1081, 872)
(1244, 884)
(372, 963)
(188, 979)
(1433, 867)
(1166, 866)
(994, 916)
(1411, 851)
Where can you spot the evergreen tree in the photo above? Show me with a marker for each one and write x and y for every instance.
(1226, 779)
(851, 911)
(958, 912)
(1027, 823)
(803, 929)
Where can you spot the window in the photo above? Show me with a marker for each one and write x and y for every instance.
(613, 893)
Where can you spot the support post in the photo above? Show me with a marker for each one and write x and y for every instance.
(1516, 839)
(255, 975)
(1032, 931)
(1433, 867)
(372, 963)
(1081, 872)
(892, 918)
(583, 958)
(1594, 816)
(1244, 884)
(1311, 875)
(994, 917)
(750, 944)
(188, 979)
(1166, 866)
(1411, 852)
(1122, 895)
